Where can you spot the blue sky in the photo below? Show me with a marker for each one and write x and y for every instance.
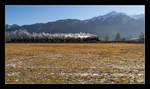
(30, 14)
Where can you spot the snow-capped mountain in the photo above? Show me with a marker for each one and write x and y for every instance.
(107, 16)
(11, 26)
(140, 16)
(108, 24)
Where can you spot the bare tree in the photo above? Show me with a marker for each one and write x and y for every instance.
(117, 38)
(106, 38)
(141, 37)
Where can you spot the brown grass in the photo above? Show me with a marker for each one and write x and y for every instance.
(75, 63)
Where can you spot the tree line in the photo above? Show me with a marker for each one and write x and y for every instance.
(118, 38)
(22, 36)
(26, 37)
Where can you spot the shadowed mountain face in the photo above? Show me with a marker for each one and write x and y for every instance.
(101, 26)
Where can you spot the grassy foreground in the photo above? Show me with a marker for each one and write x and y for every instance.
(96, 63)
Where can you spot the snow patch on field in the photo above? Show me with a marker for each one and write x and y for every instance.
(13, 74)
(78, 74)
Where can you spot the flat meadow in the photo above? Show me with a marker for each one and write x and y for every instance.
(74, 63)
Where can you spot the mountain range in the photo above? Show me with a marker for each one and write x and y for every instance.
(109, 24)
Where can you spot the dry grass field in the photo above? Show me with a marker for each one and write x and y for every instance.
(95, 63)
